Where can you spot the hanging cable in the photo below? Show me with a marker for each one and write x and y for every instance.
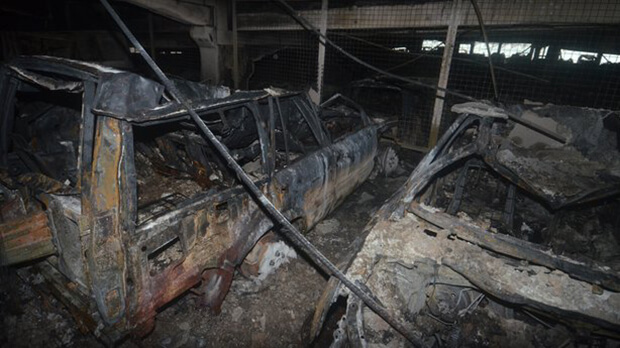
(325, 40)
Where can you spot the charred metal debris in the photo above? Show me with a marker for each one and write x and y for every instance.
(123, 203)
(501, 236)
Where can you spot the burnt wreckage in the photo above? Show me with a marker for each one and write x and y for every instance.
(108, 185)
(502, 236)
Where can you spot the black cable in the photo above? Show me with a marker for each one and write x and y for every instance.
(288, 229)
(325, 40)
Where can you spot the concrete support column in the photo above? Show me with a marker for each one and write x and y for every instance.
(235, 40)
(455, 19)
(210, 65)
(211, 38)
(321, 57)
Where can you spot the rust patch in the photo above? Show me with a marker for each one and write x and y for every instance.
(105, 171)
(27, 238)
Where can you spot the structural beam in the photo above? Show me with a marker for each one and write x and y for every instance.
(151, 35)
(321, 57)
(210, 39)
(437, 14)
(199, 13)
(444, 74)
(235, 42)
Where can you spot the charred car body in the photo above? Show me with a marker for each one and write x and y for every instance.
(501, 236)
(107, 182)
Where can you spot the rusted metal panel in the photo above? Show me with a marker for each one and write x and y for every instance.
(112, 200)
(592, 272)
(26, 238)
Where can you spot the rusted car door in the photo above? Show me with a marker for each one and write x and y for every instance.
(316, 184)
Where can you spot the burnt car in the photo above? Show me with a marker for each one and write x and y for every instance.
(124, 206)
(506, 234)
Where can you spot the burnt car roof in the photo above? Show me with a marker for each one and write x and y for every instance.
(145, 104)
(585, 169)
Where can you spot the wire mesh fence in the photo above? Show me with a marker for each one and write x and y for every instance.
(550, 52)
(292, 65)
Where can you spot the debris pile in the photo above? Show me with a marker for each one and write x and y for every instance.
(502, 236)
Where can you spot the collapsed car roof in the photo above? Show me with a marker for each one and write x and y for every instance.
(496, 212)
